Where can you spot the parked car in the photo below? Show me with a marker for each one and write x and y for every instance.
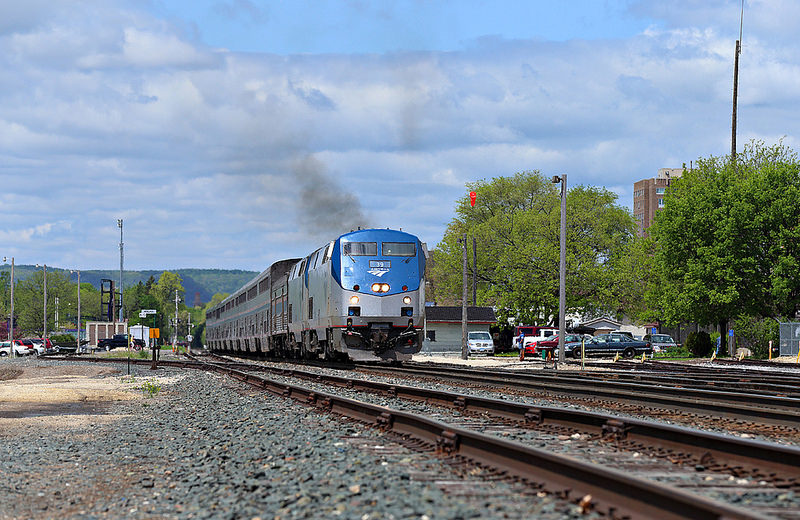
(535, 346)
(532, 333)
(49, 346)
(611, 344)
(29, 343)
(19, 348)
(480, 342)
(660, 342)
(38, 345)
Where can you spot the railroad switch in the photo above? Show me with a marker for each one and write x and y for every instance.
(447, 442)
(385, 421)
(534, 415)
(615, 429)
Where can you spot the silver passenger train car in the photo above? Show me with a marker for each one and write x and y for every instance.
(361, 296)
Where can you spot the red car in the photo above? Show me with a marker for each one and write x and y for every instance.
(535, 348)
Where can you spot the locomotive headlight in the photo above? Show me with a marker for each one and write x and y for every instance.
(385, 287)
(407, 300)
(376, 287)
(354, 299)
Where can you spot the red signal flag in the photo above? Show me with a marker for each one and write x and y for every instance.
(472, 197)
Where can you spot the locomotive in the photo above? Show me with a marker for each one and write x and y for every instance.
(359, 297)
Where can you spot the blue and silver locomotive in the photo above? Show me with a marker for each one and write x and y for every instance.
(360, 296)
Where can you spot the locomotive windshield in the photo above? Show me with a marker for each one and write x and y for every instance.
(361, 248)
(398, 248)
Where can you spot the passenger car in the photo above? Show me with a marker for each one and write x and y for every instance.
(611, 344)
(119, 341)
(37, 345)
(536, 346)
(480, 342)
(660, 342)
(19, 348)
(31, 345)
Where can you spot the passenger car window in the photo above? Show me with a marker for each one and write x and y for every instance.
(361, 248)
(398, 249)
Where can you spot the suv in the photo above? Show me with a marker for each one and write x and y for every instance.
(480, 342)
(660, 342)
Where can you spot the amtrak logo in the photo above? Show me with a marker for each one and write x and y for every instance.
(378, 272)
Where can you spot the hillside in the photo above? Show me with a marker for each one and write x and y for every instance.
(200, 284)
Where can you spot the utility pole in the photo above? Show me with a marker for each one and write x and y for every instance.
(464, 346)
(189, 334)
(56, 312)
(121, 255)
(44, 333)
(11, 317)
(562, 267)
(474, 272)
(175, 334)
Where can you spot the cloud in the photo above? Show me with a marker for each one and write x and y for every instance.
(222, 159)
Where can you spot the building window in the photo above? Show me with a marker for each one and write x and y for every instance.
(660, 191)
(660, 203)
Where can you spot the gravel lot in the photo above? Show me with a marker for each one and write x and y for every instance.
(203, 447)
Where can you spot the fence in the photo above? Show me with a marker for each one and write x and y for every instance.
(789, 338)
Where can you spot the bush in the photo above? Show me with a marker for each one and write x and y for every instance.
(57, 339)
(756, 334)
(699, 343)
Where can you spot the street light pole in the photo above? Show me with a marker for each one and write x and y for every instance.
(175, 335)
(11, 317)
(562, 267)
(78, 347)
(119, 223)
(44, 285)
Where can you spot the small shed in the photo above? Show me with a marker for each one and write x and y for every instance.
(97, 330)
(443, 326)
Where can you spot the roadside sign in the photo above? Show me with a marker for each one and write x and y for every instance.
(730, 333)
(155, 333)
(189, 337)
(148, 311)
(654, 331)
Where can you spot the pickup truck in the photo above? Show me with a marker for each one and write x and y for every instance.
(118, 340)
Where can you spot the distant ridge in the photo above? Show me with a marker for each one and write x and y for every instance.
(203, 283)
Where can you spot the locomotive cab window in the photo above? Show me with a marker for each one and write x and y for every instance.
(361, 248)
(398, 249)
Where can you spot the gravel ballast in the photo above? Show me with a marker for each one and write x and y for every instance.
(206, 447)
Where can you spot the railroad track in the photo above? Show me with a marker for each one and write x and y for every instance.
(775, 410)
(591, 486)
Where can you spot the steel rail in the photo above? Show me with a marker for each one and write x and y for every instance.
(596, 487)
(606, 489)
(769, 409)
(732, 451)
(750, 382)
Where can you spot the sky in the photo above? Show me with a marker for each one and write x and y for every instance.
(234, 133)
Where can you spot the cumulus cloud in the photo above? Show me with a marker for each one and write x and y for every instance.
(223, 159)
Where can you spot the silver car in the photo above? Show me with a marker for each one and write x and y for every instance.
(480, 342)
(660, 342)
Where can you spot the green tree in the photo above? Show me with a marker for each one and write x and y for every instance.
(516, 224)
(727, 243)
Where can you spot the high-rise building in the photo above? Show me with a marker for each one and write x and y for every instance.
(648, 196)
